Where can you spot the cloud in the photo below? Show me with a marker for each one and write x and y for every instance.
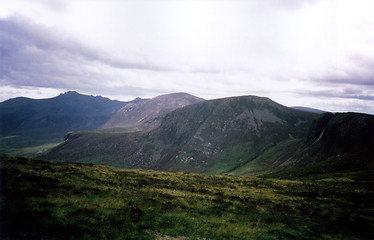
(290, 4)
(56, 5)
(34, 55)
(282, 49)
(358, 70)
(340, 92)
(37, 56)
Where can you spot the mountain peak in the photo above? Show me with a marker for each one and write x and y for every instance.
(177, 95)
(69, 93)
(148, 114)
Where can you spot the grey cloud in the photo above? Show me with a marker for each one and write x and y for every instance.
(130, 91)
(353, 78)
(35, 55)
(346, 93)
(361, 72)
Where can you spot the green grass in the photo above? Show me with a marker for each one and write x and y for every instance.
(357, 165)
(49, 200)
(265, 157)
(32, 151)
(232, 158)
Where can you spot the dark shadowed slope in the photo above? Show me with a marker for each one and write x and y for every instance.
(342, 132)
(338, 145)
(148, 115)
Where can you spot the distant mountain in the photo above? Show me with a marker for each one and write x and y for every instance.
(26, 122)
(216, 136)
(307, 109)
(148, 115)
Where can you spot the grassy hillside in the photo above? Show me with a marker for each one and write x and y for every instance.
(355, 165)
(49, 200)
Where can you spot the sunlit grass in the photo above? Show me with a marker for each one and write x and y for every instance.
(30, 151)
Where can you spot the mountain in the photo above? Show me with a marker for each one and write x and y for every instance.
(215, 136)
(341, 132)
(336, 136)
(335, 144)
(148, 115)
(338, 145)
(245, 135)
(26, 122)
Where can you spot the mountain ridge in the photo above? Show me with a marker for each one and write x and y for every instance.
(148, 114)
(26, 122)
(196, 137)
(243, 135)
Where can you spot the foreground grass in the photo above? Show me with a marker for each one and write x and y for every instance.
(47, 200)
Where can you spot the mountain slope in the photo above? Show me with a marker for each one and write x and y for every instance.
(28, 122)
(341, 142)
(214, 136)
(342, 132)
(148, 115)
(220, 135)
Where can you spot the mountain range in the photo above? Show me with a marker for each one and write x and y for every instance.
(245, 135)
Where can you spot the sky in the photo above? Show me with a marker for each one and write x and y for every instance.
(313, 53)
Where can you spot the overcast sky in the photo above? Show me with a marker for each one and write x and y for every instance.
(297, 52)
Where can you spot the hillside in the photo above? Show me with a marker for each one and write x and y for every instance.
(148, 115)
(215, 136)
(49, 200)
(339, 133)
(335, 144)
(28, 122)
